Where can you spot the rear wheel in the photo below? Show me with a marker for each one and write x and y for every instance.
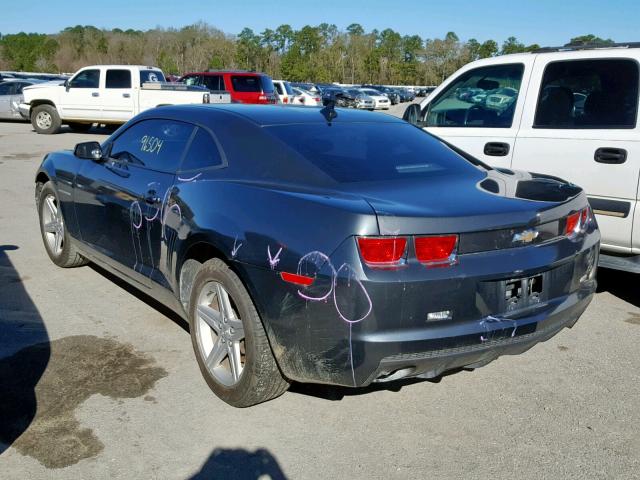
(53, 230)
(45, 119)
(229, 341)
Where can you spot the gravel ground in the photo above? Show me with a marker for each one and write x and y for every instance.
(106, 386)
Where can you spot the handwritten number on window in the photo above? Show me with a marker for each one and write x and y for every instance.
(151, 144)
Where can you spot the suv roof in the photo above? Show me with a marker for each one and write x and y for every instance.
(589, 46)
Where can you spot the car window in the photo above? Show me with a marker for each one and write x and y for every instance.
(601, 93)
(151, 76)
(212, 82)
(278, 88)
(118, 79)
(267, 84)
(192, 80)
(203, 152)
(86, 79)
(155, 144)
(246, 83)
(362, 152)
(287, 87)
(7, 88)
(482, 97)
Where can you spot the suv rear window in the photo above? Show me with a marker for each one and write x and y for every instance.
(363, 152)
(601, 93)
(246, 83)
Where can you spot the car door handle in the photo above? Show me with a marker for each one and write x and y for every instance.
(610, 155)
(126, 95)
(496, 149)
(95, 94)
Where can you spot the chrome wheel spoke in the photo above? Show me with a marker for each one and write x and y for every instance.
(53, 210)
(58, 242)
(235, 359)
(217, 354)
(223, 302)
(236, 332)
(210, 316)
(51, 227)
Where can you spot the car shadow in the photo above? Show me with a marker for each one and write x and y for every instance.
(143, 297)
(619, 284)
(240, 464)
(337, 393)
(24, 352)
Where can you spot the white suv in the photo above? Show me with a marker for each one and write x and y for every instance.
(572, 113)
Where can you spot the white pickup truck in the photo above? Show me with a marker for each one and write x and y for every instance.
(106, 94)
(567, 112)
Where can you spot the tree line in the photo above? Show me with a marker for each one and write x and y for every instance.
(322, 53)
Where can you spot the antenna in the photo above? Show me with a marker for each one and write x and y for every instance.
(329, 111)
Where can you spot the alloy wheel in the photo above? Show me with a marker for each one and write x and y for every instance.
(53, 225)
(220, 334)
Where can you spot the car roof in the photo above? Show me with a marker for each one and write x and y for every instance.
(264, 115)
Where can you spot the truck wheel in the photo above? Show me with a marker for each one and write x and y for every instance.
(45, 119)
(80, 127)
(229, 340)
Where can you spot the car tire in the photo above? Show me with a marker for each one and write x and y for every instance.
(80, 127)
(45, 119)
(218, 340)
(53, 229)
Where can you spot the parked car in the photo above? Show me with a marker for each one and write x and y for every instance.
(304, 97)
(244, 87)
(392, 94)
(433, 261)
(381, 101)
(108, 94)
(500, 99)
(11, 97)
(339, 96)
(284, 91)
(363, 101)
(576, 119)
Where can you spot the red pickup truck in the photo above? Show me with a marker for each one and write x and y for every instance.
(244, 87)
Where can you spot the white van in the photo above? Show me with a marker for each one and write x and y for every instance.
(572, 113)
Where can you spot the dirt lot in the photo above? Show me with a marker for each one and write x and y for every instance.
(104, 385)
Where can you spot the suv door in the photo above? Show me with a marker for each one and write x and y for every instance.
(479, 110)
(124, 204)
(81, 100)
(117, 99)
(580, 124)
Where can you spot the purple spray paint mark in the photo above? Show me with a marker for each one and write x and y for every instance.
(190, 179)
(273, 261)
(315, 260)
(235, 249)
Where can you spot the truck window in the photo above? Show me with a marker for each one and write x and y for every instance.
(154, 144)
(203, 152)
(151, 76)
(86, 79)
(600, 93)
(484, 97)
(118, 79)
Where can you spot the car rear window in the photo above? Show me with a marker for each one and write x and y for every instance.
(246, 83)
(267, 84)
(364, 152)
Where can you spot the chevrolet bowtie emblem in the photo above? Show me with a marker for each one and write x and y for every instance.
(526, 236)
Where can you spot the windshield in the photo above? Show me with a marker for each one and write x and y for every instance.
(371, 92)
(287, 87)
(151, 76)
(363, 152)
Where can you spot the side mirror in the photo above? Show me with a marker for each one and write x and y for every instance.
(412, 115)
(66, 85)
(88, 151)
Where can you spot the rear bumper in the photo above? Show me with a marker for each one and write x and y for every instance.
(510, 336)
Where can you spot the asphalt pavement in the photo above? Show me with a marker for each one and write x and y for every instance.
(104, 384)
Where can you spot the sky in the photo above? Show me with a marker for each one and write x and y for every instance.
(546, 22)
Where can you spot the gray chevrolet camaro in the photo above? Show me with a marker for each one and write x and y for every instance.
(322, 245)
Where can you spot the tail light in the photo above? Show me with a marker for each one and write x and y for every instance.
(578, 222)
(382, 252)
(262, 98)
(437, 250)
